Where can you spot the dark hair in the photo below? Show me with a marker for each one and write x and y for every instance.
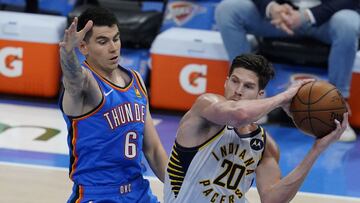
(256, 63)
(100, 17)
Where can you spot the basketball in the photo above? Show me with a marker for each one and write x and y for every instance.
(315, 107)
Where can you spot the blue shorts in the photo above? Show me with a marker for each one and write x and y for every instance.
(137, 191)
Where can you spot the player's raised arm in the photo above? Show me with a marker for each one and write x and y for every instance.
(72, 72)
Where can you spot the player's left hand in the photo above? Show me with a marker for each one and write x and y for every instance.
(322, 143)
(72, 38)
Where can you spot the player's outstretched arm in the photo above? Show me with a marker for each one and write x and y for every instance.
(221, 111)
(73, 78)
(272, 188)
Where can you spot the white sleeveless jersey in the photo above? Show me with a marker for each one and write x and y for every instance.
(220, 170)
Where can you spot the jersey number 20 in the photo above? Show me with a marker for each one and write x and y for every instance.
(230, 170)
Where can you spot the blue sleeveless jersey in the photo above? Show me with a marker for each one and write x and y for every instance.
(105, 145)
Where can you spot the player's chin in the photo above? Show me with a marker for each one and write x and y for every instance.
(113, 63)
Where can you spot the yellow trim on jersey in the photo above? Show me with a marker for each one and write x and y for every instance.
(170, 174)
(176, 181)
(263, 139)
(174, 169)
(175, 159)
(262, 131)
(173, 151)
(212, 139)
(174, 164)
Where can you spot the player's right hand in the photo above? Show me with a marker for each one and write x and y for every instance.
(291, 92)
(72, 38)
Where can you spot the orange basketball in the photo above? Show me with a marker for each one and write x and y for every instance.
(315, 107)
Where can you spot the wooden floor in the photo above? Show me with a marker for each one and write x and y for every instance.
(28, 184)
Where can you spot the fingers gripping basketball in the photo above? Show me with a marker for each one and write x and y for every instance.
(315, 107)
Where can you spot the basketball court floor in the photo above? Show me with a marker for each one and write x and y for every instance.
(34, 160)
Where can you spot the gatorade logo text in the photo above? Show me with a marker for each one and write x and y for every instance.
(193, 78)
(11, 64)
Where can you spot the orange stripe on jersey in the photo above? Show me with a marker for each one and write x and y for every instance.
(73, 143)
(92, 112)
(81, 194)
(139, 83)
(124, 89)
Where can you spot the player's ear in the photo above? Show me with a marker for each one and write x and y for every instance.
(261, 93)
(227, 79)
(83, 48)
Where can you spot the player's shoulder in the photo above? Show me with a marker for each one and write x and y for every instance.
(209, 98)
(140, 79)
(204, 101)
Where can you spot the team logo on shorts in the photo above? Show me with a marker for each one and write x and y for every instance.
(256, 144)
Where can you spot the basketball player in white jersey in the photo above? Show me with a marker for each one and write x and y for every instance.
(219, 148)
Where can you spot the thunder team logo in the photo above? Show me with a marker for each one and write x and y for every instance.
(181, 11)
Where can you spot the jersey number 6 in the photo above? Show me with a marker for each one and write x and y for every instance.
(130, 150)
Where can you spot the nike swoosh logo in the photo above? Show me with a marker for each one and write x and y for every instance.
(107, 93)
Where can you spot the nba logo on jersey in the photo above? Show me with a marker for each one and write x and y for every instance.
(137, 92)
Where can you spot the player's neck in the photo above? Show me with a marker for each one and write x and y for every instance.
(111, 74)
(247, 129)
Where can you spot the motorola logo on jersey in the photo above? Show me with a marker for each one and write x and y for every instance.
(11, 64)
(193, 78)
(256, 144)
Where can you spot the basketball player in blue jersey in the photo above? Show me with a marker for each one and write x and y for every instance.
(106, 110)
(219, 148)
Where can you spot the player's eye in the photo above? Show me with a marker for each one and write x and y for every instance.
(102, 42)
(234, 80)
